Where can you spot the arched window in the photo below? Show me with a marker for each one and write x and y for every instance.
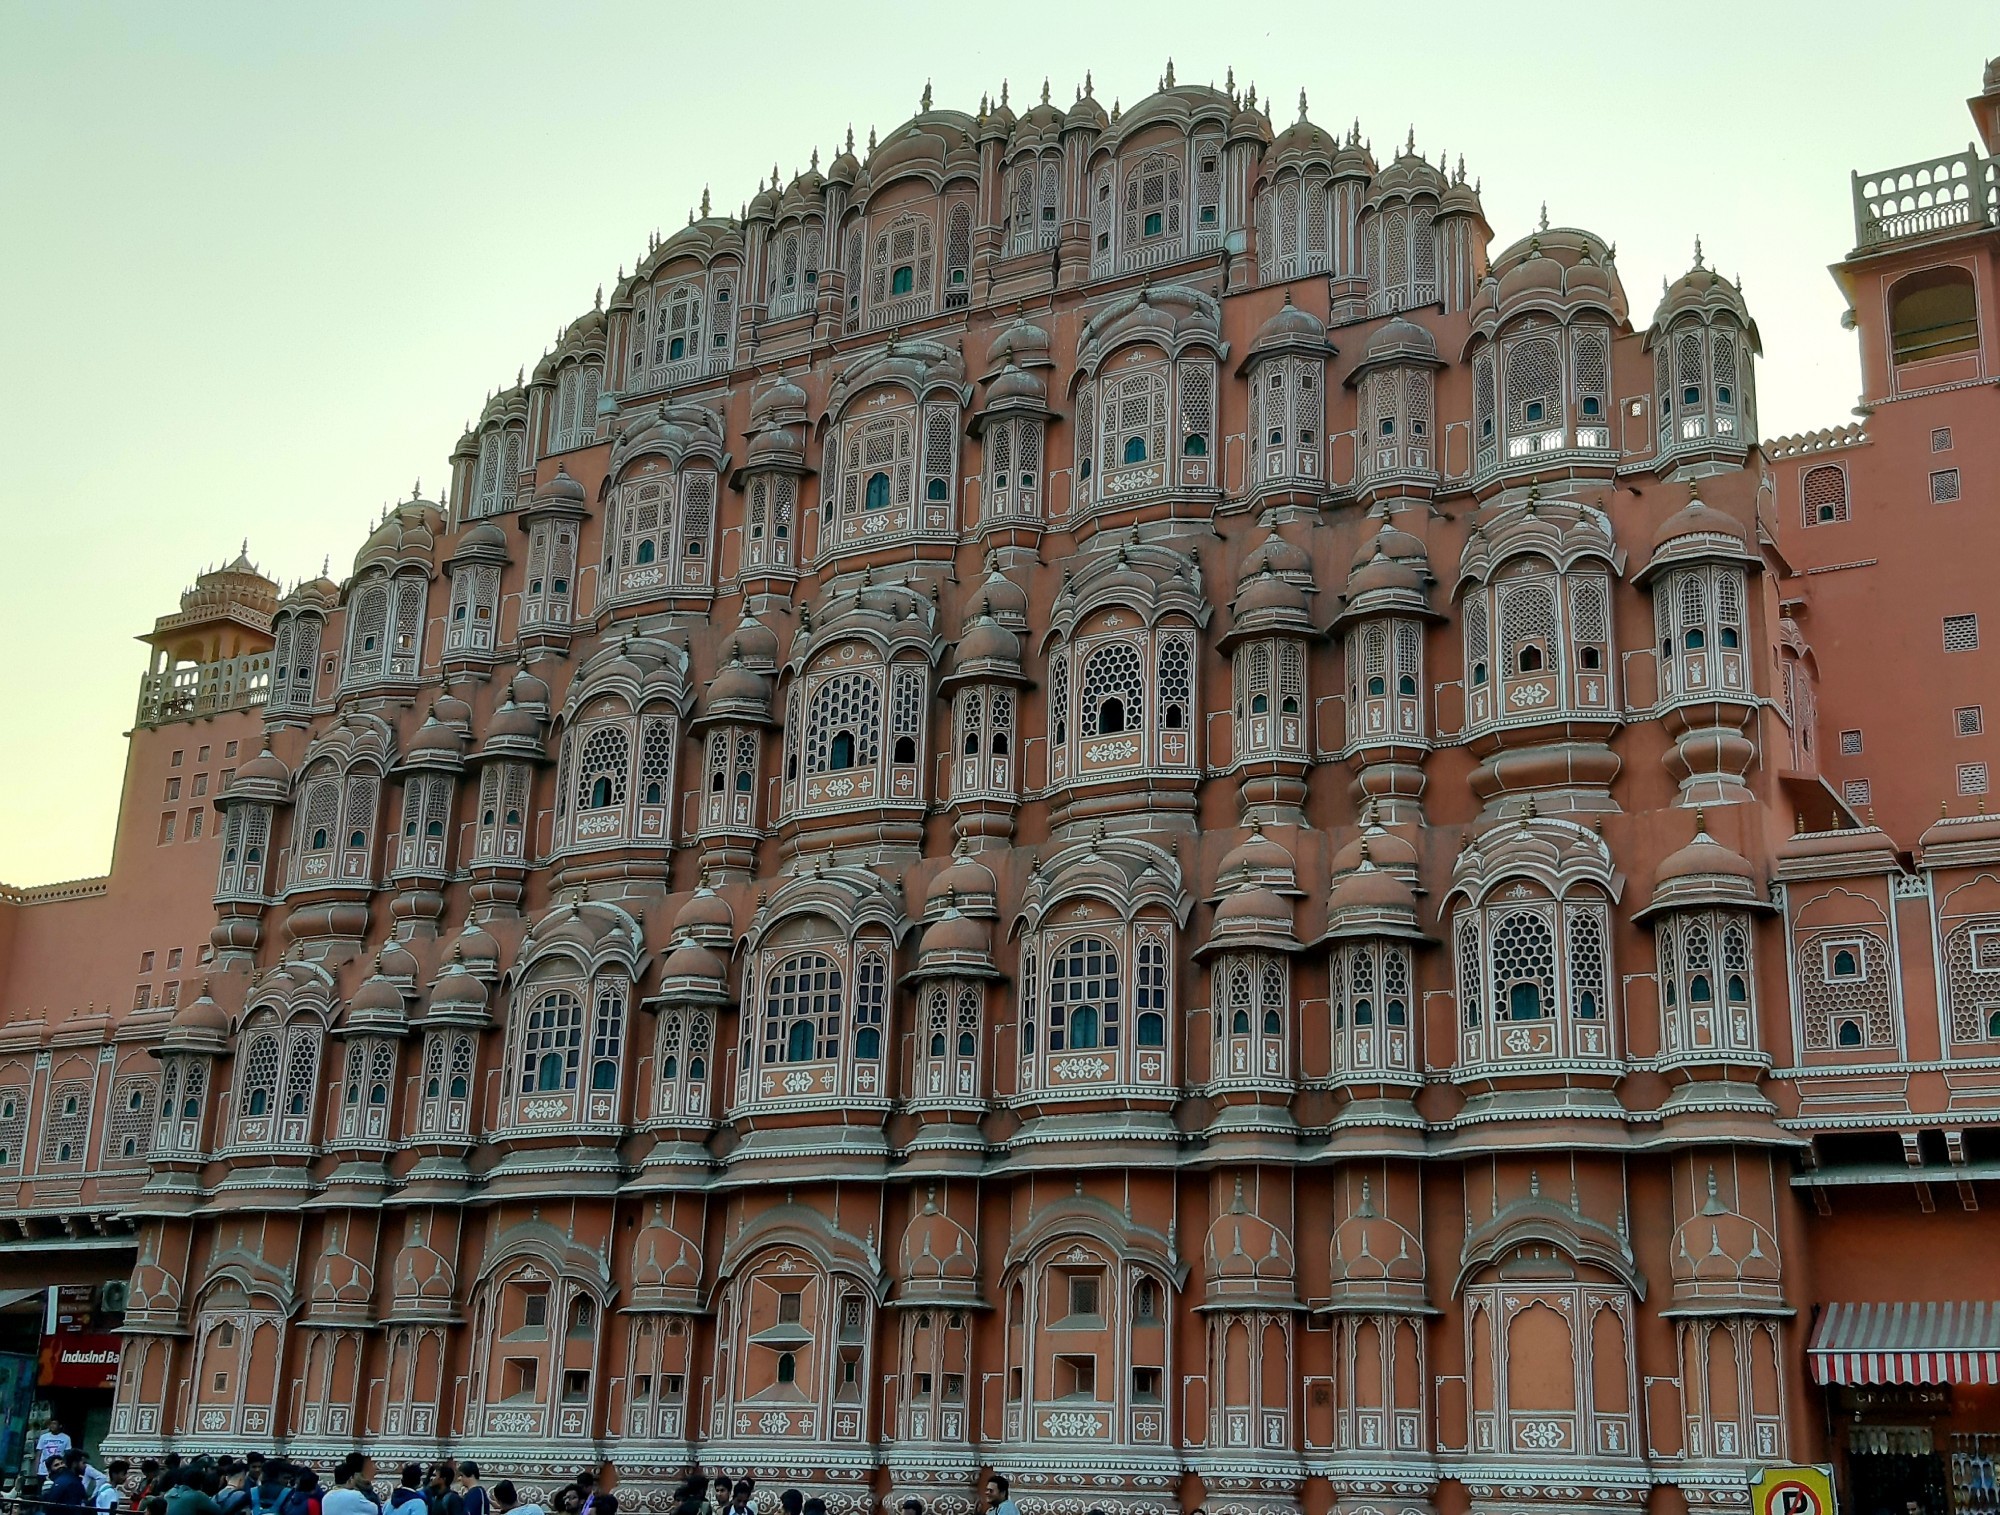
(551, 1042)
(878, 492)
(1084, 994)
(1113, 690)
(802, 1009)
(1135, 449)
(1933, 314)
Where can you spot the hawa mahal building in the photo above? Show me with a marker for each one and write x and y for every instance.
(1093, 795)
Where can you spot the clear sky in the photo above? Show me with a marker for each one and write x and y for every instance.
(259, 262)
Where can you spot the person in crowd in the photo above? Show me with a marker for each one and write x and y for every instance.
(305, 1495)
(52, 1443)
(743, 1497)
(440, 1498)
(913, 1506)
(110, 1494)
(586, 1489)
(792, 1502)
(471, 1490)
(267, 1496)
(235, 1496)
(506, 1501)
(409, 1486)
(997, 1500)
(353, 1491)
(189, 1493)
(64, 1474)
(814, 1506)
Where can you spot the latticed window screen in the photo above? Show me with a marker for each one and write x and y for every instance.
(13, 1124)
(1112, 672)
(1484, 437)
(1971, 778)
(1844, 987)
(1850, 743)
(1969, 720)
(1085, 993)
(1961, 633)
(1176, 678)
(802, 1009)
(1824, 492)
(656, 762)
(1197, 396)
(1856, 792)
(1534, 385)
(1523, 958)
(1944, 486)
(1528, 619)
(66, 1126)
(605, 757)
(1941, 439)
(849, 703)
(128, 1130)
(551, 1042)
(1972, 974)
(1135, 419)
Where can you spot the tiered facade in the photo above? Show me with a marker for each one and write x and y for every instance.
(1086, 797)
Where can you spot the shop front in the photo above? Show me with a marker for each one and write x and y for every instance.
(1913, 1397)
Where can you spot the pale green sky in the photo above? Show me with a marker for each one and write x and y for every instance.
(260, 262)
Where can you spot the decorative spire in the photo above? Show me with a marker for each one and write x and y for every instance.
(813, 163)
(871, 139)
(1045, 89)
(850, 137)
(1302, 102)
(1410, 142)
(704, 202)
(1168, 79)
(598, 302)
(1003, 92)
(1087, 86)
(925, 103)
(1545, 216)
(1697, 252)
(1229, 79)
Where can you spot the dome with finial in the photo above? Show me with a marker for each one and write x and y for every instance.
(845, 167)
(967, 885)
(1248, 1258)
(1370, 901)
(693, 974)
(199, 1026)
(1039, 126)
(1462, 198)
(1704, 872)
(755, 643)
(1721, 1256)
(377, 1005)
(956, 944)
(476, 947)
(1387, 586)
(1301, 145)
(705, 238)
(1407, 175)
(1290, 329)
(1253, 916)
(802, 195)
(265, 777)
(1353, 160)
(1267, 605)
(666, 1265)
(1256, 862)
(1705, 294)
(1399, 341)
(237, 590)
(1380, 846)
(987, 653)
(1375, 1258)
(1697, 533)
(408, 533)
(1284, 558)
(937, 1259)
(739, 694)
(457, 996)
(421, 1280)
(435, 746)
(706, 917)
(1086, 114)
(559, 490)
(1555, 271)
(1003, 599)
(513, 731)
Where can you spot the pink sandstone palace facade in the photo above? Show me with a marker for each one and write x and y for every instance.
(1092, 796)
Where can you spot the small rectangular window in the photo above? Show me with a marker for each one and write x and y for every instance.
(173, 958)
(1146, 1384)
(166, 828)
(1855, 792)
(954, 1388)
(1944, 486)
(170, 994)
(194, 826)
(200, 785)
(1969, 720)
(178, 755)
(576, 1385)
(173, 790)
(229, 751)
(1083, 1294)
(923, 1384)
(201, 754)
(672, 1385)
(1971, 778)
(790, 1305)
(228, 777)
(1076, 1377)
(535, 1310)
(142, 997)
(1846, 961)
(1941, 439)
(145, 962)
(1961, 633)
(1986, 949)
(1850, 743)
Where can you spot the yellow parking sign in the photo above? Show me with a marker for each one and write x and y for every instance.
(1792, 1491)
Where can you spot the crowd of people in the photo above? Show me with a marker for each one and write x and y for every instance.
(258, 1485)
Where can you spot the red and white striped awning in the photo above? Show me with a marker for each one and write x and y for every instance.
(1907, 1343)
